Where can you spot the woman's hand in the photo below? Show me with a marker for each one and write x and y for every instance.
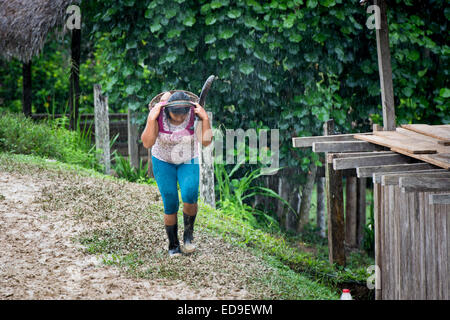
(200, 112)
(154, 112)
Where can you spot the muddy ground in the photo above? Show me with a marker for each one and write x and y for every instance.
(45, 214)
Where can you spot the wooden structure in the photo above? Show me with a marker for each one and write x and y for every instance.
(411, 178)
(118, 124)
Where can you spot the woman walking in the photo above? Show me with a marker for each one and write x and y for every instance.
(175, 159)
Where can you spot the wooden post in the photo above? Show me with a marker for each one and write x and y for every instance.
(206, 162)
(101, 122)
(133, 146)
(26, 89)
(385, 69)
(335, 208)
(74, 88)
(350, 212)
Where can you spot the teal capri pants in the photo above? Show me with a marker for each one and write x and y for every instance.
(166, 174)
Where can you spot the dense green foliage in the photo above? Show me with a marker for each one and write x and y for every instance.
(19, 134)
(287, 64)
(50, 79)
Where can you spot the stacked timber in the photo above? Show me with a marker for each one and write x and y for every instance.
(410, 171)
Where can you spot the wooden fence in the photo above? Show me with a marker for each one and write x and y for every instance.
(118, 124)
(414, 242)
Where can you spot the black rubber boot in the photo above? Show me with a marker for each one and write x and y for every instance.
(188, 234)
(174, 244)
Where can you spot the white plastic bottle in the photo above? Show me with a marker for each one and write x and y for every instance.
(346, 295)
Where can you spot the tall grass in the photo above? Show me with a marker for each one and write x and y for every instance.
(125, 170)
(233, 192)
(49, 139)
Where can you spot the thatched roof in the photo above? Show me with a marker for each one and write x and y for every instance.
(24, 25)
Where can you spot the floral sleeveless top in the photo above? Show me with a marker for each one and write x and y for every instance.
(178, 147)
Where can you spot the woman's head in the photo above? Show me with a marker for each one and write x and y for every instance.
(177, 113)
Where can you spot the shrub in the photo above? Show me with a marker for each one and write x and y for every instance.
(21, 135)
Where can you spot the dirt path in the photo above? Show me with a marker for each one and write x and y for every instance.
(40, 260)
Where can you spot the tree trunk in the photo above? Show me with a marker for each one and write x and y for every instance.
(321, 221)
(283, 192)
(305, 205)
(74, 88)
(294, 201)
(26, 89)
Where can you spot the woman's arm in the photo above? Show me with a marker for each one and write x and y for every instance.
(150, 133)
(151, 130)
(204, 135)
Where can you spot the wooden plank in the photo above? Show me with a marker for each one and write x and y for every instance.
(447, 217)
(441, 132)
(440, 145)
(408, 252)
(423, 249)
(439, 198)
(332, 156)
(307, 142)
(379, 225)
(424, 184)
(355, 162)
(441, 159)
(397, 211)
(363, 172)
(415, 247)
(386, 253)
(392, 178)
(417, 146)
(377, 212)
(344, 146)
(432, 284)
(392, 139)
(389, 198)
(441, 250)
(384, 68)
